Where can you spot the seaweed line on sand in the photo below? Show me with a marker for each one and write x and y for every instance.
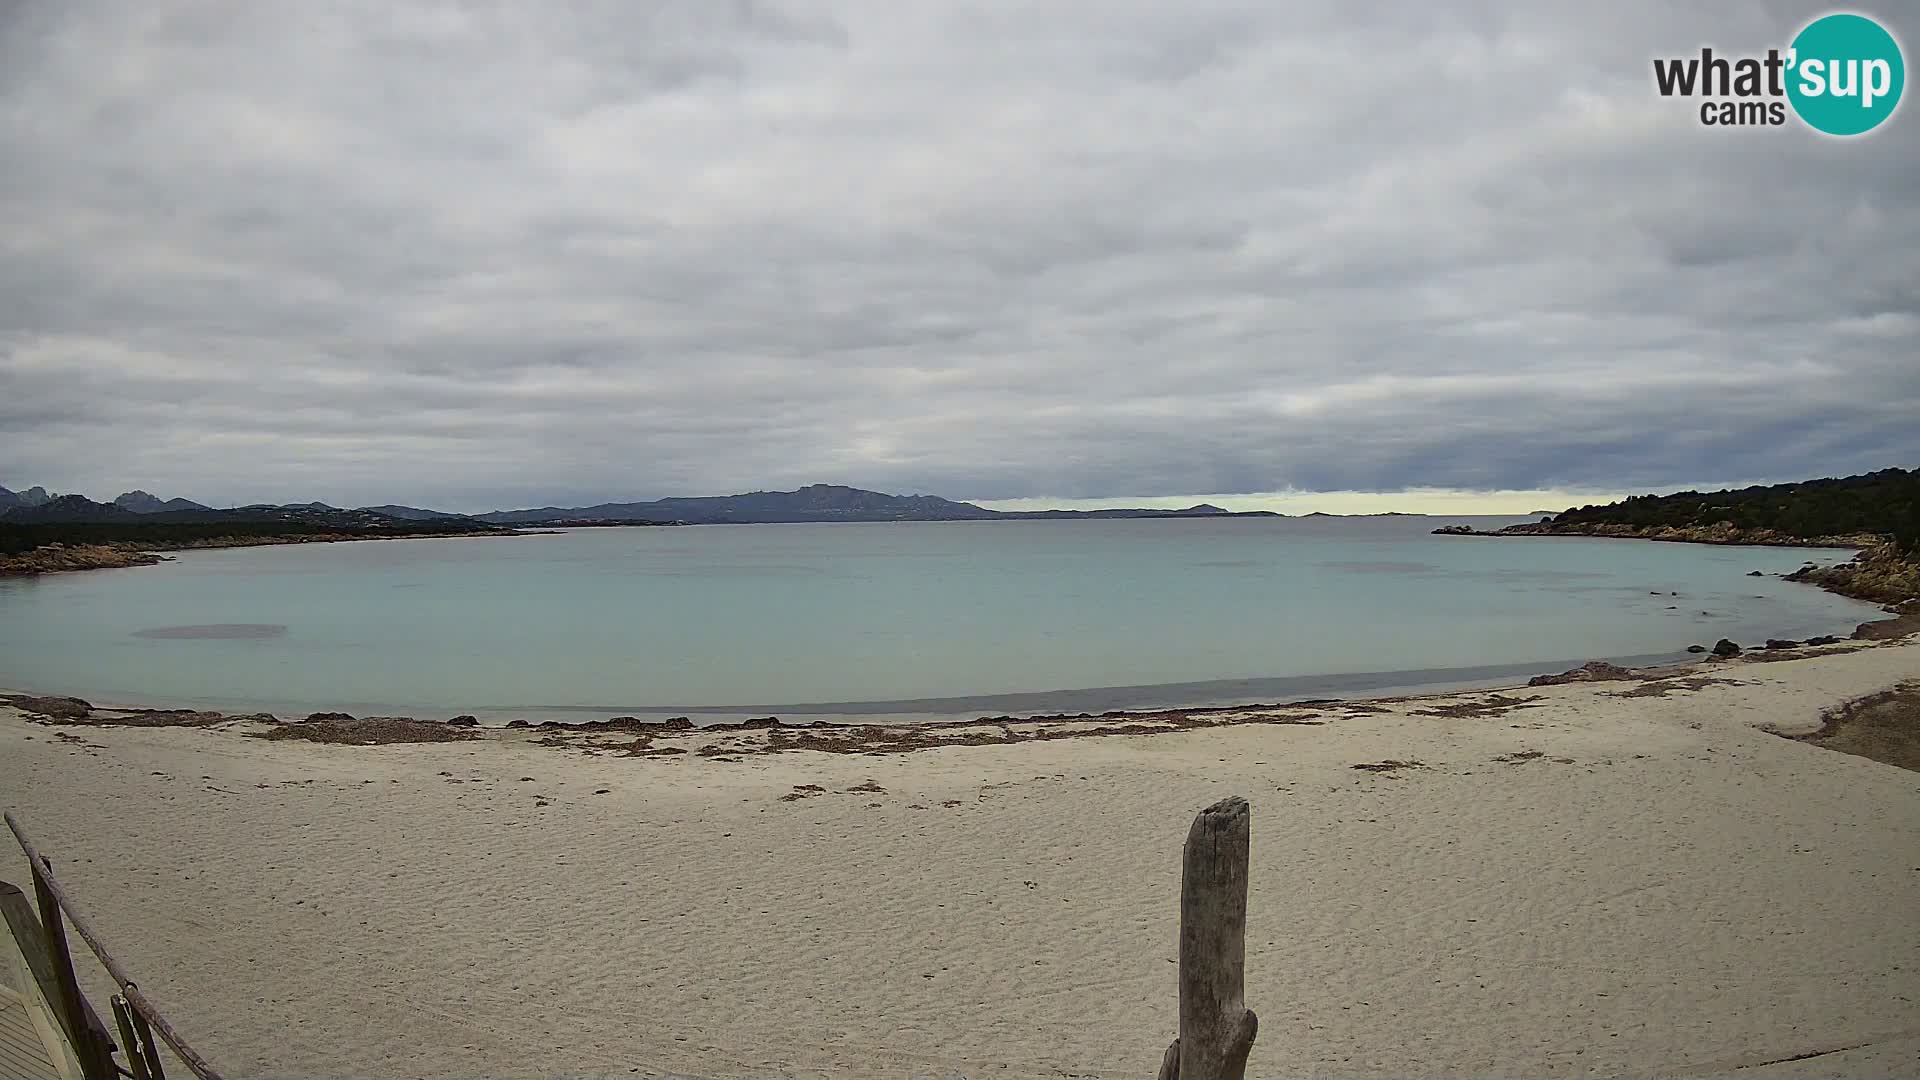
(726, 742)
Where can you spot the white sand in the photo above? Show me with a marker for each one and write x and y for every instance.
(1690, 896)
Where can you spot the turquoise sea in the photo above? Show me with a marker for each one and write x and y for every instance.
(898, 619)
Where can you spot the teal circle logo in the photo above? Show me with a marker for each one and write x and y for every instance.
(1845, 74)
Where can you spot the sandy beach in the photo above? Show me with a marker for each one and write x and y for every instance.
(1621, 878)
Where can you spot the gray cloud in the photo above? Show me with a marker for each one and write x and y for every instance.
(482, 255)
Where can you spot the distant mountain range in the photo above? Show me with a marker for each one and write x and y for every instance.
(817, 502)
(79, 510)
(814, 503)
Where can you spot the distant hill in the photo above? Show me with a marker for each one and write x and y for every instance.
(1381, 514)
(816, 502)
(1202, 510)
(819, 502)
(1882, 504)
(141, 502)
(410, 513)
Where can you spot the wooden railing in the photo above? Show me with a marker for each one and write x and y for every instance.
(135, 1016)
(1216, 1029)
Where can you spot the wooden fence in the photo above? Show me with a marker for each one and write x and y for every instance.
(1215, 1034)
(52, 966)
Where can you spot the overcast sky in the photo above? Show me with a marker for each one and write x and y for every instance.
(496, 255)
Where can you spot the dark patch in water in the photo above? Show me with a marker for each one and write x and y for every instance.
(216, 630)
(1383, 567)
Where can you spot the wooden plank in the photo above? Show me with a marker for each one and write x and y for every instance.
(1216, 1027)
(25, 928)
(24, 1052)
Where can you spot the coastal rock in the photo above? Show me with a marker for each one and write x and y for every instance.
(631, 725)
(463, 720)
(372, 731)
(56, 558)
(1723, 647)
(1723, 532)
(1755, 573)
(1696, 648)
(1779, 643)
(59, 708)
(518, 723)
(329, 717)
(1823, 639)
(1454, 530)
(1880, 574)
(1591, 671)
(172, 718)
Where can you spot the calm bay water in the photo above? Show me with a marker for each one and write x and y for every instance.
(926, 619)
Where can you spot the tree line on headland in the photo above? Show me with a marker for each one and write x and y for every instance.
(1884, 503)
(1877, 512)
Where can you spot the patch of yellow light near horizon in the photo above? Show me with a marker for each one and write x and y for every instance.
(1415, 501)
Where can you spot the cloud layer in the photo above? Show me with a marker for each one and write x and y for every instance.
(485, 255)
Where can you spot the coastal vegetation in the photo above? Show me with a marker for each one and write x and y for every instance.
(1883, 505)
(37, 547)
(1877, 512)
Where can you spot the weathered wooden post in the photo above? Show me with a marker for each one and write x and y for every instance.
(1216, 1027)
(96, 1061)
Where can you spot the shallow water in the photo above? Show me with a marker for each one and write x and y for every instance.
(892, 619)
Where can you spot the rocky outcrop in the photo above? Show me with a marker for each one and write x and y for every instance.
(1725, 648)
(1878, 574)
(1724, 532)
(56, 558)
